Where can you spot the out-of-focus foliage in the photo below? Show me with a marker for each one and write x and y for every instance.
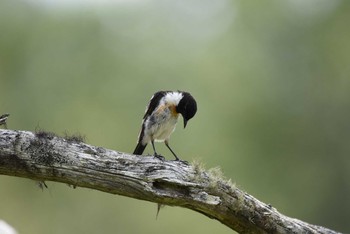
(272, 82)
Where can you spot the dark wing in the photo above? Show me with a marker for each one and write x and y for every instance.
(153, 103)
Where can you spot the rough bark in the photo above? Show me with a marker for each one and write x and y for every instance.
(44, 156)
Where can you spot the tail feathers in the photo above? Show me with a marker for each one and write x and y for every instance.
(139, 148)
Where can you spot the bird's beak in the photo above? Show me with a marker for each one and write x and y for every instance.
(185, 122)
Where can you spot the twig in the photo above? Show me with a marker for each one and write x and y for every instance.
(3, 119)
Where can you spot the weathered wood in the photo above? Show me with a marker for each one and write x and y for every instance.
(44, 156)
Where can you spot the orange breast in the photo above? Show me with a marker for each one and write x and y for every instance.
(171, 107)
(173, 110)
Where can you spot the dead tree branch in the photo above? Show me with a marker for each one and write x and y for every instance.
(44, 156)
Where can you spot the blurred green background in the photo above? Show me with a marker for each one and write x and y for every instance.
(271, 78)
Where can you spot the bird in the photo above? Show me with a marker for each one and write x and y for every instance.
(161, 116)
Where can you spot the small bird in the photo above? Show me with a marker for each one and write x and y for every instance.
(161, 117)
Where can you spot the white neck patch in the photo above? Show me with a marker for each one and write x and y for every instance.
(173, 98)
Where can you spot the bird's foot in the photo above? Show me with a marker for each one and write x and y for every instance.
(160, 157)
(181, 161)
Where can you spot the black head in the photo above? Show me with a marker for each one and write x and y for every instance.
(187, 107)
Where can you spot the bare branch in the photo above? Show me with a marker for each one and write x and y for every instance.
(44, 156)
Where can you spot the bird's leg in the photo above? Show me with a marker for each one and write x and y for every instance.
(167, 145)
(155, 152)
(176, 158)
